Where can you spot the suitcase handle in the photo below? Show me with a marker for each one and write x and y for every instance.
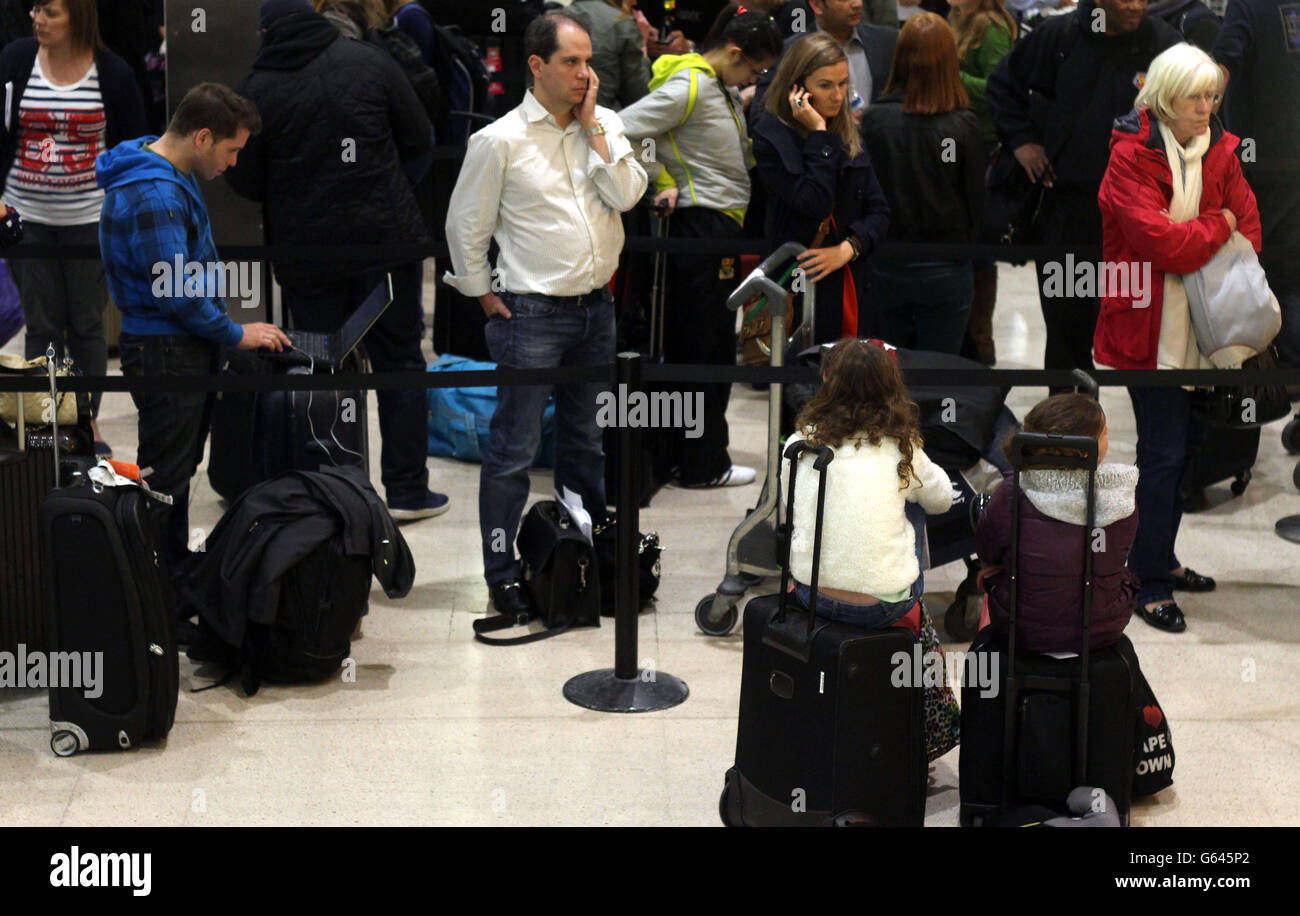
(784, 633)
(1025, 456)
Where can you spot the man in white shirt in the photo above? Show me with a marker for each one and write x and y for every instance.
(548, 180)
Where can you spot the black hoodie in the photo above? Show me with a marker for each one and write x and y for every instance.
(1064, 85)
(339, 119)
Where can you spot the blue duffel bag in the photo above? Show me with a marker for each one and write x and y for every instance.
(459, 418)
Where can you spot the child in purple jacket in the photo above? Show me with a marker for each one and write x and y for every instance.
(1052, 518)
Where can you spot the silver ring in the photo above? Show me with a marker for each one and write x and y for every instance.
(798, 103)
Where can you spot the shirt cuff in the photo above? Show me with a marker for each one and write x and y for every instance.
(618, 145)
(478, 283)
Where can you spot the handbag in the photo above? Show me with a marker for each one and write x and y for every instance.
(560, 573)
(942, 714)
(36, 407)
(649, 568)
(1154, 757)
(1233, 312)
(1012, 202)
(1244, 406)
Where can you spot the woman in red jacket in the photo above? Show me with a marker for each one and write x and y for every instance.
(1158, 223)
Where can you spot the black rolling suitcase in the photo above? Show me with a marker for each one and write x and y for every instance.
(824, 738)
(308, 430)
(26, 476)
(1051, 724)
(1228, 454)
(109, 599)
(259, 435)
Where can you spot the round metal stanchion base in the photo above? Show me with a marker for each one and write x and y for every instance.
(648, 691)
(1289, 528)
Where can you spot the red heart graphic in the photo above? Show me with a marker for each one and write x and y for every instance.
(1153, 716)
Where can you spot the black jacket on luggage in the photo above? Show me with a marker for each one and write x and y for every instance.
(1064, 85)
(340, 123)
(270, 528)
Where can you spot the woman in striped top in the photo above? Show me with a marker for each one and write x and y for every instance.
(67, 99)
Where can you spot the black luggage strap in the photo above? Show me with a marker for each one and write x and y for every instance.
(505, 622)
(785, 633)
(1026, 454)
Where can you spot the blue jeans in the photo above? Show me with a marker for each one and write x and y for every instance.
(541, 335)
(1168, 437)
(869, 616)
(923, 305)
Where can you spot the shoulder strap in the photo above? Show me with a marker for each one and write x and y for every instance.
(505, 621)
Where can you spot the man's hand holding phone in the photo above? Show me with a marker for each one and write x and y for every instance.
(585, 111)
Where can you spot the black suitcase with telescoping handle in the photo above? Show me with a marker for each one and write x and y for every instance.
(824, 737)
(1035, 727)
(113, 670)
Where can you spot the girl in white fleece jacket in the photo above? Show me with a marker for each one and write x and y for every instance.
(869, 567)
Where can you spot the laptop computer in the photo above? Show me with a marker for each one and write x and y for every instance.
(327, 351)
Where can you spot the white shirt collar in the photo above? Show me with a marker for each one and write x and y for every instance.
(535, 111)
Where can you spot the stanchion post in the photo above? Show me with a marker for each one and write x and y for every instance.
(626, 687)
(627, 378)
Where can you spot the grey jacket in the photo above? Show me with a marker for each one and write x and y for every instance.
(616, 56)
(703, 146)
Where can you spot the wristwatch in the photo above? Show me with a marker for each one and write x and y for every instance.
(596, 131)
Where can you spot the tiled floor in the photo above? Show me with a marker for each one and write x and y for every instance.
(438, 729)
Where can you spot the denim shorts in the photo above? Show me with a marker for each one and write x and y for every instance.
(869, 616)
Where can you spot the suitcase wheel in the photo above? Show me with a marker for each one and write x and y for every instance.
(64, 743)
(1291, 436)
(710, 626)
(1239, 485)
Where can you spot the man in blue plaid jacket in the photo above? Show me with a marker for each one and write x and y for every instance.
(163, 271)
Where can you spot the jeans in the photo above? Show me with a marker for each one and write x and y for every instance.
(869, 616)
(923, 305)
(1168, 436)
(393, 345)
(542, 335)
(64, 301)
(172, 425)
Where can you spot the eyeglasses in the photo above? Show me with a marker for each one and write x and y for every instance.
(1211, 97)
(756, 71)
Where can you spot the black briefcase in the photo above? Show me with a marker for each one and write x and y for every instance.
(560, 572)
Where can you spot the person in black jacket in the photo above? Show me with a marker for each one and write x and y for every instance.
(821, 187)
(1259, 48)
(345, 137)
(1054, 99)
(1192, 19)
(926, 146)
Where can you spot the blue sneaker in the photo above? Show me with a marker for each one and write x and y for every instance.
(432, 504)
(103, 450)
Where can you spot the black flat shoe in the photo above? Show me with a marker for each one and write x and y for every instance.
(1192, 581)
(1165, 617)
(510, 598)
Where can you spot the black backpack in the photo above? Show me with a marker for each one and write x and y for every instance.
(423, 78)
(464, 78)
(322, 599)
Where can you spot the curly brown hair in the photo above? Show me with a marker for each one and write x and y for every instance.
(863, 397)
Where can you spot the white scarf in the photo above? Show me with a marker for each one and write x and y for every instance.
(1177, 347)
